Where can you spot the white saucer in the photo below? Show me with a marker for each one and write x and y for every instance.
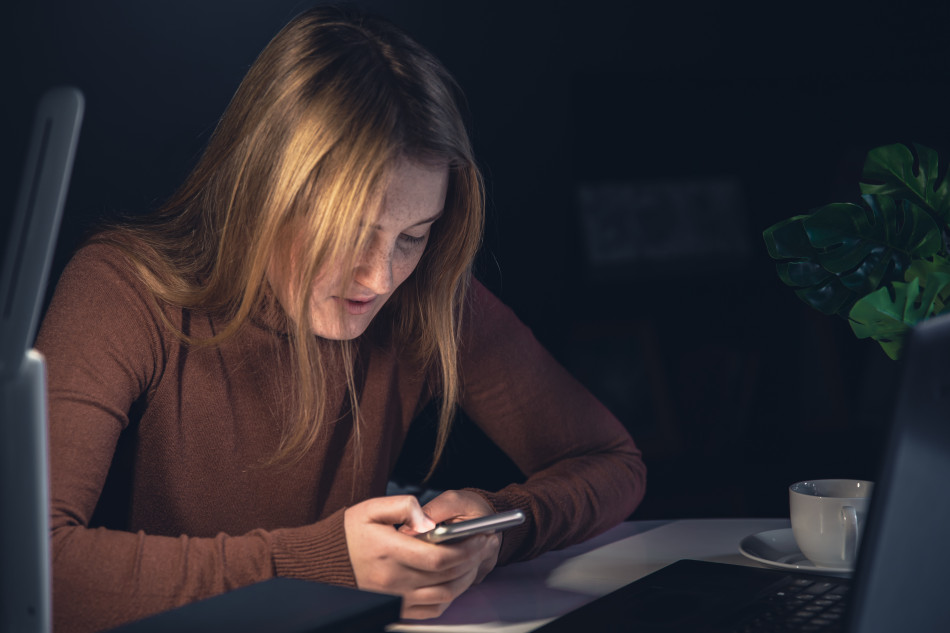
(777, 548)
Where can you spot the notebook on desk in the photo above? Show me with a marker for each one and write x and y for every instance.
(902, 578)
(278, 605)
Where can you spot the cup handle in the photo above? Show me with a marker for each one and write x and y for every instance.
(849, 552)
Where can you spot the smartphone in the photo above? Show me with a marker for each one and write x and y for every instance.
(450, 532)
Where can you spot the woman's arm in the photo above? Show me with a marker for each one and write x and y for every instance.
(105, 352)
(584, 472)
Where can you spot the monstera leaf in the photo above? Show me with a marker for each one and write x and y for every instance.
(886, 314)
(889, 171)
(842, 251)
(883, 266)
(923, 267)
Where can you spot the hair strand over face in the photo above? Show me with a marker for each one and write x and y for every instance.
(316, 127)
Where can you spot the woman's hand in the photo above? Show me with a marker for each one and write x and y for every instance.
(428, 577)
(460, 505)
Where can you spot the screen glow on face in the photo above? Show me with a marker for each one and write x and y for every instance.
(412, 202)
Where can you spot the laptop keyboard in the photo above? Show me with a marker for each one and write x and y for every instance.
(805, 604)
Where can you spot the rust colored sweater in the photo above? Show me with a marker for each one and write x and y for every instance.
(158, 493)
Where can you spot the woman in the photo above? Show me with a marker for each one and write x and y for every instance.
(231, 380)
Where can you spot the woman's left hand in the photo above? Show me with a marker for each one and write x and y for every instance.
(453, 506)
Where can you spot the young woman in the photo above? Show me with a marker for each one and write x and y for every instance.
(232, 378)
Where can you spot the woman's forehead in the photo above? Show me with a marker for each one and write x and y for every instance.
(414, 194)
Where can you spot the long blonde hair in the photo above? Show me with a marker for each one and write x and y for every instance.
(324, 114)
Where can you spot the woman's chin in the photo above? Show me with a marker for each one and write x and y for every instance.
(346, 330)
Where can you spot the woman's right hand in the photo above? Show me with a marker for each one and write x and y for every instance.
(428, 577)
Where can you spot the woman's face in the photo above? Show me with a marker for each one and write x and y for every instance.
(412, 201)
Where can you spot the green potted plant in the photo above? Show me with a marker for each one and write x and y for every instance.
(883, 264)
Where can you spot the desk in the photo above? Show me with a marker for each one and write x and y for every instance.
(523, 596)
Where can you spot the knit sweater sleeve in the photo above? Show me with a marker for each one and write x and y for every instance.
(584, 472)
(104, 346)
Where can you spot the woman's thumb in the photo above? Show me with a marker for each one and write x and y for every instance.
(399, 509)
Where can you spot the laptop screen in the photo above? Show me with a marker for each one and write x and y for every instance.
(901, 575)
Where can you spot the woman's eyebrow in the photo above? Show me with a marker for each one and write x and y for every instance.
(419, 223)
(427, 220)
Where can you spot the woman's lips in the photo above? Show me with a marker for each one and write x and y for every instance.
(357, 306)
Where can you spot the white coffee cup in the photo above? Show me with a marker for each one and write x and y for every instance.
(828, 517)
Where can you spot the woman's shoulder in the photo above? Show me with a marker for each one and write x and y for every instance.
(488, 323)
(102, 273)
(483, 307)
(104, 255)
(100, 303)
(114, 257)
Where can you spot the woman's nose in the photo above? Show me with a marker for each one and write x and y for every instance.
(375, 270)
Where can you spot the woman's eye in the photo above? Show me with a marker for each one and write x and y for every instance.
(412, 240)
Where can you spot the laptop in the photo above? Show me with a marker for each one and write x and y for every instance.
(24, 494)
(901, 580)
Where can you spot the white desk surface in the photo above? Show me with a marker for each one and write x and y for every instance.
(524, 596)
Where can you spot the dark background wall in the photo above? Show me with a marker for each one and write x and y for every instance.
(634, 152)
